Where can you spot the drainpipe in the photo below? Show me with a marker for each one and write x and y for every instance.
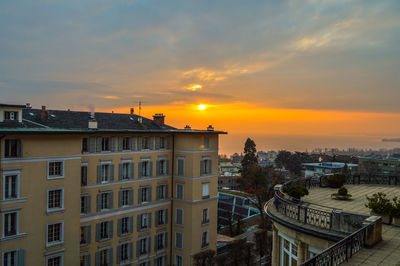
(172, 201)
(1, 169)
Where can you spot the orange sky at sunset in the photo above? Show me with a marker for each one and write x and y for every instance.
(303, 126)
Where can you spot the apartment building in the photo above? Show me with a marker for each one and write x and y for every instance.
(80, 188)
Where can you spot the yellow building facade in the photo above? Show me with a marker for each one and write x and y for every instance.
(104, 189)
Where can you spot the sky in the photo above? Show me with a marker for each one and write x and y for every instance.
(290, 74)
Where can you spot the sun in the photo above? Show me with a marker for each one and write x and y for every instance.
(201, 106)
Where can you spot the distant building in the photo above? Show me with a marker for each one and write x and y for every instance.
(379, 167)
(229, 182)
(317, 169)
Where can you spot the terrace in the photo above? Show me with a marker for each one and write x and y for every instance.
(345, 225)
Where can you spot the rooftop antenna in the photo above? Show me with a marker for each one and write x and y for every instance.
(140, 108)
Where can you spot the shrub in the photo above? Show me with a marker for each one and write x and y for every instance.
(379, 204)
(295, 191)
(342, 191)
(396, 207)
(336, 180)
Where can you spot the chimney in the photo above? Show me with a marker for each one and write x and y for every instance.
(43, 113)
(187, 128)
(92, 121)
(159, 119)
(132, 111)
(28, 105)
(210, 128)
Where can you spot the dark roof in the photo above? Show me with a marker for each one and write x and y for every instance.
(12, 105)
(80, 120)
(60, 121)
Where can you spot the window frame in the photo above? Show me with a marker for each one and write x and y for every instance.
(62, 169)
(203, 195)
(8, 148)
(4, 213)
(51, 210)
(84, 174)
(176, 216)
(183, 191)
(61, 255)
(176, 242)
(180, 159)
(207, 243)
(205, 221)
(17, 183)
(55, 243)
(178, 257)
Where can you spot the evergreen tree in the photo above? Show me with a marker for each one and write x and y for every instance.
(250, 157)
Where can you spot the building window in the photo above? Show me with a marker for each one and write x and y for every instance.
(84, 175)
(161, 217)
(11, 186)
(160, 261)
(162, 191)
(55, 200)
(181, 167)
(178, 260)
(205, 217)
(143, 246)
(105, 201)
(124, 252)
(179, 240)
(12, 148)
(205, 167)
(85, 146)
(144, 195)
(288, 252)
(204, 239)
(84, 260)
(55, 260)
(144, 221)
(206, 190)
(125, 171)
(145, 143)
(14, 257)
(125, 225)
(85, 235)
(105, 173)
(105, 144)
(10, 223)
(179, 216)
(125, 198)
(179, 191)
(104, 257)
(10, 115)
(160, 241)
(104, 230)
(145, 169)
(85, 204)
(126, 143)
(162, 167)
(206, 142)
(55, 234)
(55, 169)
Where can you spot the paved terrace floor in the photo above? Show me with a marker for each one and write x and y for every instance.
(387, 252)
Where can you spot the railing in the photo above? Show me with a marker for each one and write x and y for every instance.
(342, 251)
(322, 217)
(305, 212)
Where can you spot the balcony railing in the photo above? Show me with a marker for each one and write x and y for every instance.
(342, 251)
(323, 217)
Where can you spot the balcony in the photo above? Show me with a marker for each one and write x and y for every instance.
(346, 225)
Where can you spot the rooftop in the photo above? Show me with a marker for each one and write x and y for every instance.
(383, 253)
(66, 121)
(330, 165)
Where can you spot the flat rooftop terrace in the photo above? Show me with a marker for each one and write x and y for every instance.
(387, 252)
